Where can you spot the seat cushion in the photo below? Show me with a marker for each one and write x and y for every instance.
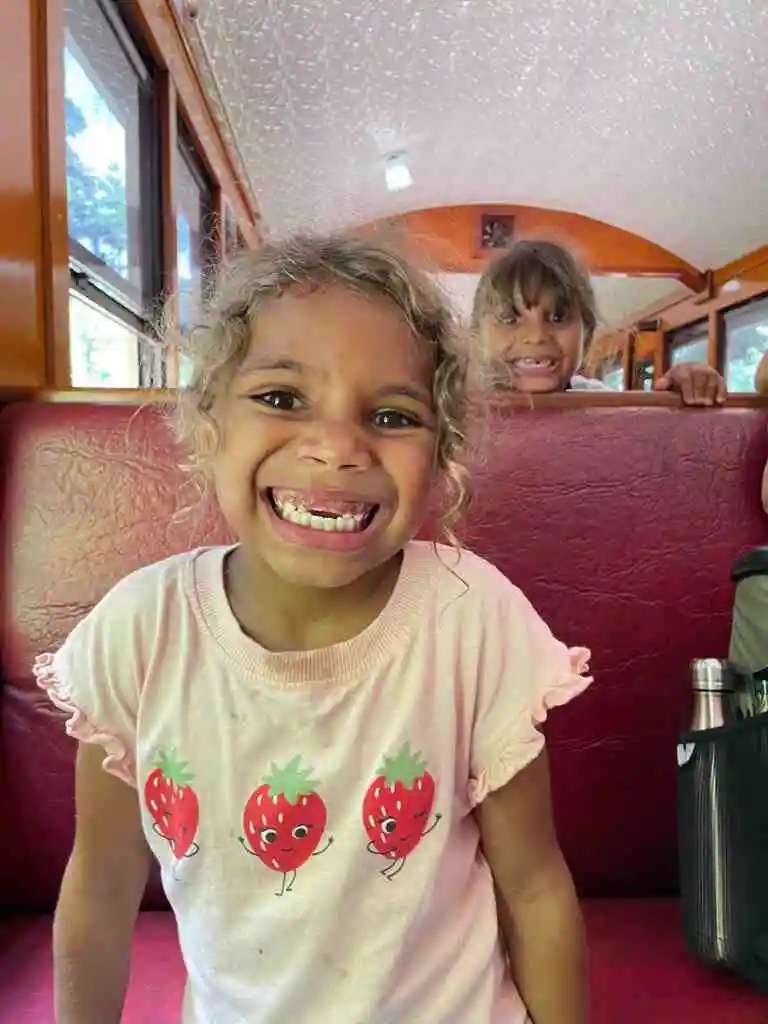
(26, 977)
(641, 972)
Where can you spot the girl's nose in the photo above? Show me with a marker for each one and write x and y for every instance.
(537, 329)
(337, 446)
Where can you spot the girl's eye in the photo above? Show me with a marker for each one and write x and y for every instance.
(559, 316)
(283, 401)
(392, 419)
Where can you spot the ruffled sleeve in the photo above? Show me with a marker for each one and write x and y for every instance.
(94, 679)
(525, 672)
(119, 759)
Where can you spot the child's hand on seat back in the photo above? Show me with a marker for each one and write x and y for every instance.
(697, 384)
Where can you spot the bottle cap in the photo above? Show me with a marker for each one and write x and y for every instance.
(711, 674)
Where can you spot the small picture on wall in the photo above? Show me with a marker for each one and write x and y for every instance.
(497, 231)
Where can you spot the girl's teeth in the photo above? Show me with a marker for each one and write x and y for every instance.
(293, 513)
(537, 364)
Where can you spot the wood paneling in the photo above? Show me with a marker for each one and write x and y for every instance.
(748, 279)
(34, 245)
(448, 238)
(753, 267)
(53, 163)
(650, 345)
(730, 286)
(22, 355)
(619, 399)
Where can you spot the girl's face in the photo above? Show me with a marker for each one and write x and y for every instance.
(328, 435)
(541, 347)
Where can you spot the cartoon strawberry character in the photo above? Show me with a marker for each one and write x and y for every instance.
(284, 821)
(173, 804)
(397, 806)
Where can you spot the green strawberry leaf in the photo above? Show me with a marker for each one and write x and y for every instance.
(173, 768)
(405, 767)
(290, 781)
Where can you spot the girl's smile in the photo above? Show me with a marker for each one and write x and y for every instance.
(326, 520)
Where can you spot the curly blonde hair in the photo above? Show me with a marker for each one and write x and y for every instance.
(218, 343)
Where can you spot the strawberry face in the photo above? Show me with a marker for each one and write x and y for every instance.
(397, 805)
(173, 804)
(284, 819)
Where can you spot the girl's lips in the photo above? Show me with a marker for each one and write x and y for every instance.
(345, 533)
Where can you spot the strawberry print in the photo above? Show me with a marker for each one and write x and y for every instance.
(173, 804)
(284, 821)
(397, 807)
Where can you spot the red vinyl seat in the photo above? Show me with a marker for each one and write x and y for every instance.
(620, 523)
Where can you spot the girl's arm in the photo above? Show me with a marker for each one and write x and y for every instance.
(539, 912)
(100, 897)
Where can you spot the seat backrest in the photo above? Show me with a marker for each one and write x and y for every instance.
(621, 525)
(92, 492)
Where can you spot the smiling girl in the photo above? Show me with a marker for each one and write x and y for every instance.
(327, 732)
(535, 314)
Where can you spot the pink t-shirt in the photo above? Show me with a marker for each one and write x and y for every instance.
(311, 811)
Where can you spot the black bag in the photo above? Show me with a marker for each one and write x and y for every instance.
(722, 803)
(749, 630)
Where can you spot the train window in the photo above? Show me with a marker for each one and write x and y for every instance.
(690, 344)
(113, 195)
(106, 353)
(612, 374)
(746, 342)
(193, 201)
(642, 375)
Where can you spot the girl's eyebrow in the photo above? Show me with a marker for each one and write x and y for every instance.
(418, 394)
(256, 363)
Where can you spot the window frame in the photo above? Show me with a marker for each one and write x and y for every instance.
(103, 287)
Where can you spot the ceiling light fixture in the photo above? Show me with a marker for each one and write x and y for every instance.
(731, 286)
(396, 173)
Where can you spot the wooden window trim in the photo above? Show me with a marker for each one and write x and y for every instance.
(35, 274)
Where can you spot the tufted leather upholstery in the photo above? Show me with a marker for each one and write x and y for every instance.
(620, 524)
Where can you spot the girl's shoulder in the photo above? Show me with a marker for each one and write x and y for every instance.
(459, 573)
(152, 584)
(142, 604)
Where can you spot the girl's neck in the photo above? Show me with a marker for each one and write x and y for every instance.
(282, 617)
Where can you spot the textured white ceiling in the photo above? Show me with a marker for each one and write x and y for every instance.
(649, 114)
(617, 297)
